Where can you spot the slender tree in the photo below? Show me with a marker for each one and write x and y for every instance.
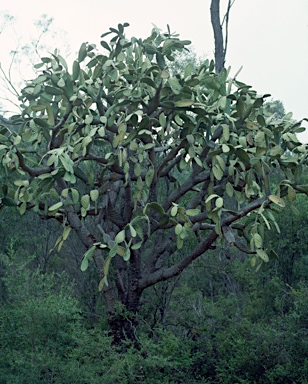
(139, 163)
(221, 42)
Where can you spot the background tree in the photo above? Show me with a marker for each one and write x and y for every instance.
(221, 41)
(27, 48)
(140, 163)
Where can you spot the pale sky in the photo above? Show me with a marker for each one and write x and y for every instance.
(269, 38)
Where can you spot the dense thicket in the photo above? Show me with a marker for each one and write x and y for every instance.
(220, 322)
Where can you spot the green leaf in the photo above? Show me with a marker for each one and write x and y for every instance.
(251, 125)
(82, 54)
(277, 200)
(160, 60)
(106, 266)
(85, 201)
(168, 43)
(53, 90)
(121, 251)
(275, 151)
(184, 103)
(66, 232)
(222, 102)
(178, 229)
(261, 120)
(260, 140)
(162, 120)
(23, 208)
(137, 245)
(104, 281)
(75, 195)
(273, 254)
(218, 173)
(76, 70)
(219, 202)
(190, 139)
(253, 261)
(148, 81)
(178, 120)
(94, 194)
(61, 83)
(240, 107)
(263, 255)
(132, 231)
(120, 237)
(139, 184)
(174, 210)
(188, 70)
(179, 242)
(229, 189)
(87, 256)
(192, 212)
(137, 169)
(113, 250)
(41, 122)
(175, 85)
(291, 193)
(84, 264)
(226, 132)
(105, 45)
(149, 48)
(257, 240)
(209, 198)
(243, 156)
(165, 74)
(157, 207)
(55, 207)
(127, 255)
(149, 176)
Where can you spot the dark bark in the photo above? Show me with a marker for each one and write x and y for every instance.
(221, 43)
(218, 35)
(166, 273)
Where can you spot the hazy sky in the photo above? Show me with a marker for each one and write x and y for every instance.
(269, 38)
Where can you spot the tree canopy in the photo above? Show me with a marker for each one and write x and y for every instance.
(150, 169)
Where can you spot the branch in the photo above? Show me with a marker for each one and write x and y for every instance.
(32, 171)
(58, 126)
(243, 212)
(226, 17)
(154, 102)
(186, 187)
(8, 80)
(171, 155)
(165, 274)
(230, 3)
(100, 160)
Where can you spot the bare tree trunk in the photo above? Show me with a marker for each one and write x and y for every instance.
(218, 36)
(221, 43)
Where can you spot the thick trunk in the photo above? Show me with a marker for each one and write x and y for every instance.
(123, 320)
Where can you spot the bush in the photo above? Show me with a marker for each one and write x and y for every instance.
(39, 315)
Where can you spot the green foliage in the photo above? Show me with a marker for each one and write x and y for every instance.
(221, 322)
(106, 122)
(149, 167)
(290, 242)
(38, 317)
